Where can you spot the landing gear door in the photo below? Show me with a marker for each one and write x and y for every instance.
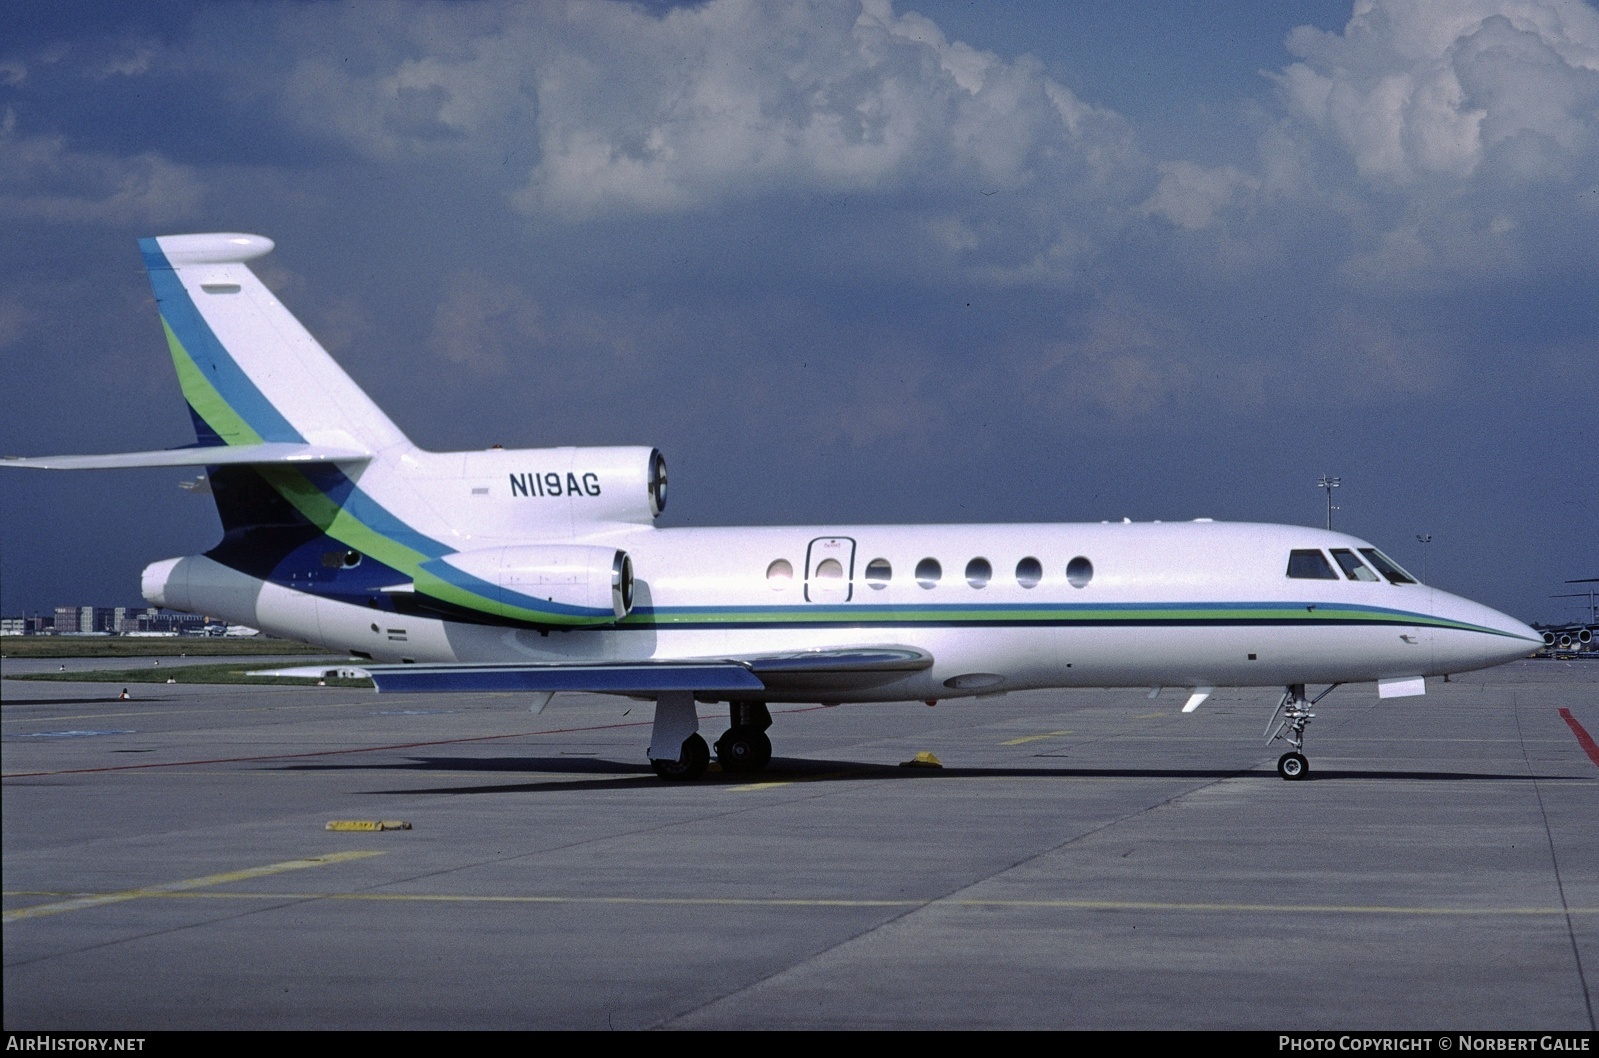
(830, 569)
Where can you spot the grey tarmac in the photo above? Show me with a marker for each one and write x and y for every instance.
(1083, 859)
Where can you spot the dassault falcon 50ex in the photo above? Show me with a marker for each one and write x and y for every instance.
(540, 570)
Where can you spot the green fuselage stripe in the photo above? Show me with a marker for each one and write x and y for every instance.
(726, 617)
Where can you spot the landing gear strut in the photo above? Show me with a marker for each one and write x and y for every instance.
(677, 752)
(744, 746)
(1294, 710)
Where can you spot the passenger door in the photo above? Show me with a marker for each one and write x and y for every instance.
(830, 569)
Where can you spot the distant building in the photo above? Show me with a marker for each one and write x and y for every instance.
(167, 621)
(107, 620)
(128, 619)
(85, 620)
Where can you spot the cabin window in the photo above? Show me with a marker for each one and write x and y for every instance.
(1387, 566)
(829, 569)
(1029, 571)
(1079, 571)
(979, 572)
(780, 574)
(1353, 568)
(879, 573)
(928, 571)
(1310, 564)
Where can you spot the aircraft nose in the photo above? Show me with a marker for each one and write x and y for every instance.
(1500, 637)
(1521, 639)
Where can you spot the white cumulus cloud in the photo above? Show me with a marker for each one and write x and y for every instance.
(1191, 195)
(1439, 88)
(599, 106)
(638, 112)
(43, 178)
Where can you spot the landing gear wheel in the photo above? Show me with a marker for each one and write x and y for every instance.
(1293, 766)
(744, 749)
(691, 763)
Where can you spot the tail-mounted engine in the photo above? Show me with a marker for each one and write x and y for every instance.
(547, 491)
(570, 585)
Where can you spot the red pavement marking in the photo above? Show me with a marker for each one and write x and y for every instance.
(1585, 740)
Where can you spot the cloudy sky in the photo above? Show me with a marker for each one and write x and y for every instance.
(846, 261)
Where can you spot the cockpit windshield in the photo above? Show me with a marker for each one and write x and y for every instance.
(1353, 568)
(1387, 566)
(1310, 564)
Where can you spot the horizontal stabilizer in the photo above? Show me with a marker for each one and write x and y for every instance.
(208, 456)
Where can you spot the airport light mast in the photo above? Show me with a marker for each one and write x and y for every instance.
(1424, 539)
(1328, 483)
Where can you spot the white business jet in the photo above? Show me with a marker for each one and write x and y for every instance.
(540, 570)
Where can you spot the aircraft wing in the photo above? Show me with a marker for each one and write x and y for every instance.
(803, 671)
(204, 456)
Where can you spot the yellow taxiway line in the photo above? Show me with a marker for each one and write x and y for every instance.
(1034, 738)
(184, 887)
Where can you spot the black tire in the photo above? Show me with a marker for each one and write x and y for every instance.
(690, 764)
(1293, 766)
(743, 749)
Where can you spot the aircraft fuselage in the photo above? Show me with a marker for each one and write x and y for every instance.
(1174, 604)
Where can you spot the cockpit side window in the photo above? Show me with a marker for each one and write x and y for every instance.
(1353, 568)
(1310, 564)
(1387, 566)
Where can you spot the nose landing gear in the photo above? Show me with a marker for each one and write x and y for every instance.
(1294, 710)
(693, 759)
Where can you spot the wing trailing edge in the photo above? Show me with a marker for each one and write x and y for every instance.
(620, 678)
(810, 671)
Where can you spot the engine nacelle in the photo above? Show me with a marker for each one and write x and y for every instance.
(571, 585)
(197, 584)
(550, 492)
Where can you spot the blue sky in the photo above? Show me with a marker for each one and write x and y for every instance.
(846, 262)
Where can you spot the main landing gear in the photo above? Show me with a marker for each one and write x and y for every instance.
(1294, 709)
(679, 754)
(744, 747)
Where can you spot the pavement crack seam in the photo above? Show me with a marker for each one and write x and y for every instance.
(950, 896)
(171, 889)
(1554, 862)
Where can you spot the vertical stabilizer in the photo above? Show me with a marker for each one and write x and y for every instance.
(249, 371)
